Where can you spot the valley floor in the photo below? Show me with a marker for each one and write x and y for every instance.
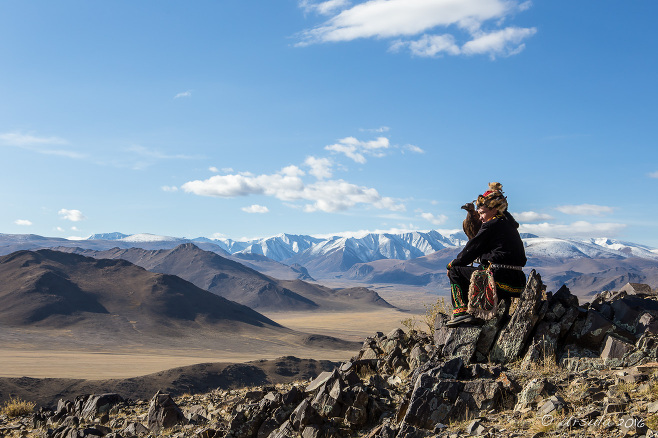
(40, 360)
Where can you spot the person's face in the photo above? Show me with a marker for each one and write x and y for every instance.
(486, 213)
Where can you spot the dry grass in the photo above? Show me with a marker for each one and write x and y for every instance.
(56, 361)
(428, 319)
(16, 407)
(652, 421)
(626, 387)
(651, 390)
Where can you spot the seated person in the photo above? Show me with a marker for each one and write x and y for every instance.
(497, 245)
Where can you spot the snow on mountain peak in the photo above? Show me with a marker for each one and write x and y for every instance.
(146, 237)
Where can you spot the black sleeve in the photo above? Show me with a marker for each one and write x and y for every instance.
(474, 248)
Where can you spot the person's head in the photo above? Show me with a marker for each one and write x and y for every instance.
(493, 201)
(485, 213)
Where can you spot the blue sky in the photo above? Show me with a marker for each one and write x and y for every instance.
(242, 118)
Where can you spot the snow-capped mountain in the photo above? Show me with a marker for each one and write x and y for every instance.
(146, 237)
(280, 247)
(108, 236)
(333, 255)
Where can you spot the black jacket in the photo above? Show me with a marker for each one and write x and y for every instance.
(498, 242)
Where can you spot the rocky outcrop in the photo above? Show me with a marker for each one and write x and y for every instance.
(543, 365)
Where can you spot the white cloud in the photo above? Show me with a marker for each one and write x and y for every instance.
(292, 171)
(531, 216)
(504, 42)
(281, 185)
(653, 174)
(60, 229)
(383, 19)
(187, 93)
(585, 209)
(256, 209)
(434, 219)
(320, 167)
(324, 7)
(71, 215)
(380, 129)
(357, 149)
(41, 145)
(414, 149)
(287, 185)
(391, 18)
(576, 229)
(170, 188)
(429, 45)
(23, 222)
(338, 195)
(213, 169)
(20, 139)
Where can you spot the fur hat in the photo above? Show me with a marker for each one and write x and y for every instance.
(493, 198)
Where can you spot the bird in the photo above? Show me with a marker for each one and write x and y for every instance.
(472, 223)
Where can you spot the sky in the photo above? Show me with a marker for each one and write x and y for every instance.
(243, 119)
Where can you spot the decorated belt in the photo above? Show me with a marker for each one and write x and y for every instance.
(495, 266)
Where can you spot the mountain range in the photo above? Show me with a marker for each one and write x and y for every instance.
(52, 297)
(237, 282)
(411, 258)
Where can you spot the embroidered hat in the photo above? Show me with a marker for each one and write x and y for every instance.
(493, 198)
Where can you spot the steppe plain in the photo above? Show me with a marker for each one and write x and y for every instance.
(61, 355)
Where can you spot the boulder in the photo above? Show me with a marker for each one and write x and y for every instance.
(529, 311)
(97, 405)
(616, 348)
(164, 413)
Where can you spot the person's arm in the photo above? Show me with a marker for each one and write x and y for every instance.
(473, 249)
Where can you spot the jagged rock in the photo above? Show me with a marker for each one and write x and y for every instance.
(554, 403)
(482, 395)
(70, 421)
(409, 431)
(551, 331)
(475, 428)
(136, 429)
(530, 309)
(164, 413)
(93, 406)
(303, 415)
(320, 380)
(284, 431)
(311, 431)
(616, 348)
(432, 400)
(530, 394)
(490, 331)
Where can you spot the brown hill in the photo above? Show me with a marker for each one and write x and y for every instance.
(53, 288)
(53, 298)
(240, 283)
(191, 379)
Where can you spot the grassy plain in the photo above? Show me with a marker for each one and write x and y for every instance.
(28, 359)
(33, 355)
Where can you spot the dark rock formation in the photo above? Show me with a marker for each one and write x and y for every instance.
(409, 385)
